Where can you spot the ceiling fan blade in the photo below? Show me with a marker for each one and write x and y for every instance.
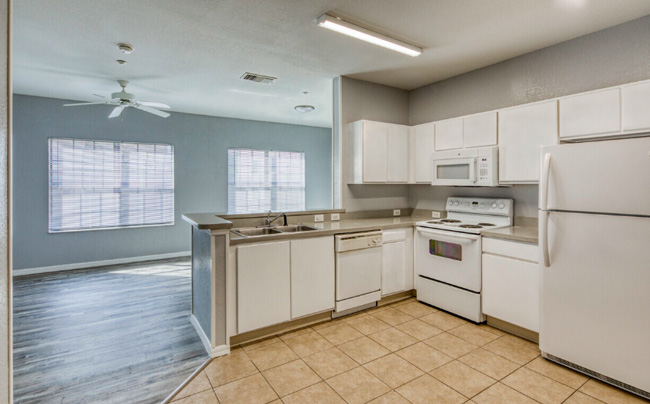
(84, 103)
(117, 111)
(100, 96)
(154, 104)
(152, 110)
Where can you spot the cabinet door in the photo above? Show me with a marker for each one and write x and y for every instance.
(375, 151)
(393, 267)
(398, 153)
(522, 131)
(480, 130)
(636, 107)
(596, 113)
(312, 275)
(263, 285)
(449, 134)
(422, 142)
(511, 291)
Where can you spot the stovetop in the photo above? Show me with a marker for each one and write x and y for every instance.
(473, 215)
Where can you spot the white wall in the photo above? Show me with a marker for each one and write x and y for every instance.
(375, 102)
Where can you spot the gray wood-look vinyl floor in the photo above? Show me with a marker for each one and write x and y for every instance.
(118, 334)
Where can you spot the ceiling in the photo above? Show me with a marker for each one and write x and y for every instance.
(190, 54)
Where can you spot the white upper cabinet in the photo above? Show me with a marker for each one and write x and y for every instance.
(375, 151)
(422, 138)
(398, 153)
(480, 130)
(597, 113)
(379, 152)
(522, 130)
(449, 134)
(636, 107)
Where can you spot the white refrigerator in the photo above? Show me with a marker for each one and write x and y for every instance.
(594, 235)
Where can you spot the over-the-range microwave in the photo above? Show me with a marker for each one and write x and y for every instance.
(476, 167)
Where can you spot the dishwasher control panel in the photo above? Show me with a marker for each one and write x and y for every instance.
(358, 241)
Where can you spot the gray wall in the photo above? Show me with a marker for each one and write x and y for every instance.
(610, 57)
(613, 56)
(200, 144)
(363, 100)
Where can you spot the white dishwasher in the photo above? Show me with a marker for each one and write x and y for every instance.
(358, 269)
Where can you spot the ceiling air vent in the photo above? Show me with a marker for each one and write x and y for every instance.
(258, 78)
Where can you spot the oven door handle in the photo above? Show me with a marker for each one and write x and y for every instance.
(463, 239)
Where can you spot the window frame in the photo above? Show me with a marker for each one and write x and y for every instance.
(273, 190)
(136, 226)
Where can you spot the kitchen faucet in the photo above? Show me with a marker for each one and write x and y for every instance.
(268, 219)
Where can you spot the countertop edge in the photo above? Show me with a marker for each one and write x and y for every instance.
(215, 222)
(317, 233)
(513, 234)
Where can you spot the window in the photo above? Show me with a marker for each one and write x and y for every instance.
(261, 180)
(101, 185)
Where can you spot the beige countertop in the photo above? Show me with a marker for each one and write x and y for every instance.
(336, 227)
(525, 233)
(207, 221)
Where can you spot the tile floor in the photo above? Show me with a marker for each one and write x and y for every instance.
(402, 353)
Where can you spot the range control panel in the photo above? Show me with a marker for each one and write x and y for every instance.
(488, 206)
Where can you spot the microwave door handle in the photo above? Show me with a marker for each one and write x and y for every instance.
(472, 171)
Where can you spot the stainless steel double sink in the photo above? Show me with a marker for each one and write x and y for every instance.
(268, 230)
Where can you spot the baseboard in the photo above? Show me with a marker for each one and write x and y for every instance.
(93, 264)
(204, 338)
(220, 350)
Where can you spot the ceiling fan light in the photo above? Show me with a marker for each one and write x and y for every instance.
(304, 108)
(366, 35)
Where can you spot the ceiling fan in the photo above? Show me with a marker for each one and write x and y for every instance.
(123, 100)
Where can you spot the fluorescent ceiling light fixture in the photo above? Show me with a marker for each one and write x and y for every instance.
(355, 31)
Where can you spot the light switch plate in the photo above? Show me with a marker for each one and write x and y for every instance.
(396, 212)
(435, 215)
(319, 218)
(335, 216)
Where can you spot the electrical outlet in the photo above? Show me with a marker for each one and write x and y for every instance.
(319, 218)
(435, 215)
(335, 216)
(396, 212)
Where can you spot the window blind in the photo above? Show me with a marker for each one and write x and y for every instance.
(262, 180)
(100, 185)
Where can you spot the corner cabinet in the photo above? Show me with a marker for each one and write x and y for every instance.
(522, 130)
(511, 282)
(278, 281)
(421, 143)
(379, 152)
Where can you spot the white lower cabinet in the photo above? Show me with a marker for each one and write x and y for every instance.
(397, 261)
(511, 282)
(283, 280)
(263, 285)
(312, 275)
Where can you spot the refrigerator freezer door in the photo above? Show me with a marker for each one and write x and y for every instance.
(594, 298)
(608, 177)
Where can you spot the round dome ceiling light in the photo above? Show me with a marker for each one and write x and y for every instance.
(122, 62)
(125, 48)
(304, 108)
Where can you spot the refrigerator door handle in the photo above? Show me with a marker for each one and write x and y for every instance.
(543, 238)
(546, 169)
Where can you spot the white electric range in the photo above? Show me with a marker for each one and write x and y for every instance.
(448, 254)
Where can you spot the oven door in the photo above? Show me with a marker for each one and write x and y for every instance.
(449, 257)
(461, 171)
